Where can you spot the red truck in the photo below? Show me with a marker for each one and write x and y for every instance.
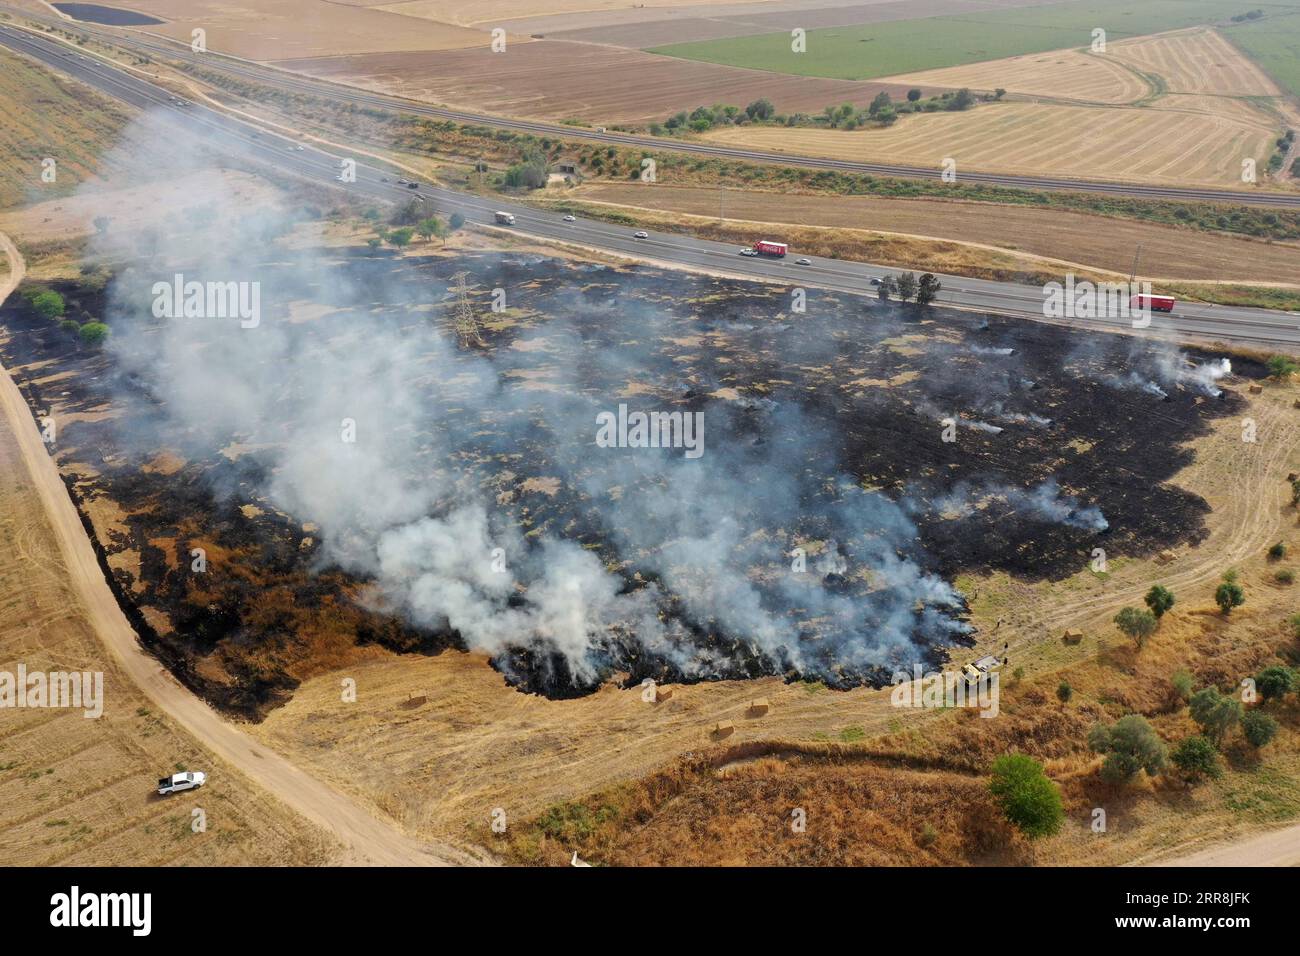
(1157, 303)
(766, 247)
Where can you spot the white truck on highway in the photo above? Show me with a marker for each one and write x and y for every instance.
(190, 780)
(505, 218)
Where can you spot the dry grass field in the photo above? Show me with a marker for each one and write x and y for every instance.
(79, 791)
(1091, 241)
(556, 80)
(46, 116)
(486, 14)
(1173, 146)
(286, 29)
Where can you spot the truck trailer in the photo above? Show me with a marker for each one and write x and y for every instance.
(766, 247)
(1156, 303)
(505, 218)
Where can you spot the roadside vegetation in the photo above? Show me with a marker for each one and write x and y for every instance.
(882, 111)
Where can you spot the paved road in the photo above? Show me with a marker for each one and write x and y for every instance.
(1259, 327)
(346, 95)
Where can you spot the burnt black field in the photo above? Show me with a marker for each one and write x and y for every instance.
(804, 415)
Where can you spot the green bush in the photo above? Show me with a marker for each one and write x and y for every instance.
(1028, 799)
(1258, 728)
(93, 333)
(1064, 692)
(1129, 745)
(1159, 599)
(1214, 713)
(1182, 684)
(1196, 758)
(1136, 624)
(1274, 683)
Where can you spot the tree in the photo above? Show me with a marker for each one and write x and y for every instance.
(887, 116)
(880, 102)
(101, 224)
(1214, 713)
(374, 243)
(1028, 799)
(1229, 595)
(534, 169)
(886, 288)
(962, 100)
(999, 93)
(906, 285)
(48, 304)
(1064, 692)
(1136, 624)
(1277, 552)
(1274, 683)
(1258, 728)
(1182, 685)
(913, 95)
(430, 227)
(401, 237)
(93, 333)
(1196, 758)
(760, 109)
(1129, 745)
(457, 221)
(1159, 599)
(927, 289)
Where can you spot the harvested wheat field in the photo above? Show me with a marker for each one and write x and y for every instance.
(549, 79)
(80, 791)
(1092, 241)
(1195, 61)
(479, 13)
(1170, 146)
(1062, 74)
(284, 29)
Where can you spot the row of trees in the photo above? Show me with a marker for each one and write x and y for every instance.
(882, 111)
(427, 227)
(907, 287)
(1139, 624)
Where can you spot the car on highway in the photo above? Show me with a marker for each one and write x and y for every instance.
(640, 235)
(570, 218)
(403, 182)
(412, 185)
(189, 780)
(875, 280)
(748, 252)
(803, 262)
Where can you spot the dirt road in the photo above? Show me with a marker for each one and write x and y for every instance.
(1278, 848)
(367, 839)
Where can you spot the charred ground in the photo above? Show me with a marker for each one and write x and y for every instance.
(849, 395)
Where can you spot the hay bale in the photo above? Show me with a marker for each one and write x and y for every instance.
(724, 728)
(1165, 556)
(1072, 636)
(1256, 389)
(758, 707)
(1292, 476)
(1296, 403)
(662, 693)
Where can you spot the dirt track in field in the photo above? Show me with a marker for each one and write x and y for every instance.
(368, 839)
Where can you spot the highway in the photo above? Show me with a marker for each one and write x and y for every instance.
(1257, 327)
(346, 95)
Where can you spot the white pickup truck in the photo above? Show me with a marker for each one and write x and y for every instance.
(177, 782)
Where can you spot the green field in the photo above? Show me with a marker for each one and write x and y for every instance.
(874, 50)
(1275, 45)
